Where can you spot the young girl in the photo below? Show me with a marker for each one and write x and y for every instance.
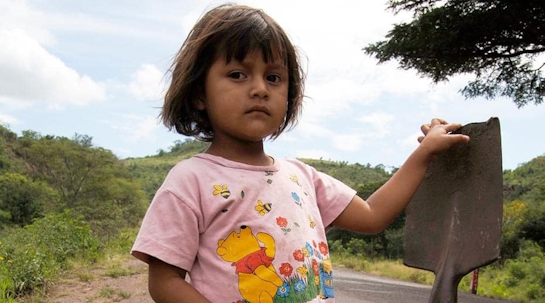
(244, 226)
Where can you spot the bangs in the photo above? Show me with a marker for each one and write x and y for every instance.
(251, 34)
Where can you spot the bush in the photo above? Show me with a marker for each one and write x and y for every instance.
(519, 279)
(31, 256)
(359, 247)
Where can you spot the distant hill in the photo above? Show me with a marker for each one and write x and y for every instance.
(526, 182)
(151, 170)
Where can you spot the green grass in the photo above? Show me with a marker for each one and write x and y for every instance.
(85, 277)
(120, 272)
(389, 269)
(116, 295)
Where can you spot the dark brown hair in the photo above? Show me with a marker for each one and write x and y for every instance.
(233, 31)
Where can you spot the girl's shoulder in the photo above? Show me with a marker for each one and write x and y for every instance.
(188, 166)
(299, 166)
(296, 163)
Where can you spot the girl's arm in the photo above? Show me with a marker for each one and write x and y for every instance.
(167, 284)
(384, 205)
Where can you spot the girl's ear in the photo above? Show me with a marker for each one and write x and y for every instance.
(200, 104)
(199, 99)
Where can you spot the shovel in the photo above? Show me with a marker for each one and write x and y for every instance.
(453, 223)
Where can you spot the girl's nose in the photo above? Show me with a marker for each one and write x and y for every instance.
(260, 89)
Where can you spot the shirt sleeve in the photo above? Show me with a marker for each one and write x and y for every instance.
(169, 232)
(332, 196)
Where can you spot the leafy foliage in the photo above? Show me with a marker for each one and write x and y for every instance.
(47, 174)
(22, 198)
(525, 206)
(354, 175)
(31, 256)
(527, 182)
(497, 41)
(520, 279)
(8, 161)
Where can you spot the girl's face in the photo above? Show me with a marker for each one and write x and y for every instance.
(245, 101)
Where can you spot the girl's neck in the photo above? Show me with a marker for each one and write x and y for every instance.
(251, 153)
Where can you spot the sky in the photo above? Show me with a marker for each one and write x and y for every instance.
(99, 68)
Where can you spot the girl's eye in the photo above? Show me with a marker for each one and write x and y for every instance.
(237, 75)
(274, 78)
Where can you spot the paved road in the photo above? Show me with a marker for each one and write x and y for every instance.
(356, 287)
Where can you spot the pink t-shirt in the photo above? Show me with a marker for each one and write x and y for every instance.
(246, 233)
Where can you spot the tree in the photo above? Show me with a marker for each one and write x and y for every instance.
(7, 138)
(496, 40)
(91, 181)
(23, 199)
(67, 165)
(514, 213)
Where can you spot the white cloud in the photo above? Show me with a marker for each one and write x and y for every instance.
(137, 128)
(18, 15)
(7, 119)
(379, 123)
(147, 83)
(411, 141)
(31, 73)
(348, 142)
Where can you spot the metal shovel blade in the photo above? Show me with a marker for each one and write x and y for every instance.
(453, 223)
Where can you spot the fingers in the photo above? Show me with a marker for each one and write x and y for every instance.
(452, 127)
(458, 138)
(425, 128)
(446, 128)
(438, 121)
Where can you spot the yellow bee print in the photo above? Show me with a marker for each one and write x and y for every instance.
(222, 190)
(262, 208)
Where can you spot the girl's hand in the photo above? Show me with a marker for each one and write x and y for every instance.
(438, 137)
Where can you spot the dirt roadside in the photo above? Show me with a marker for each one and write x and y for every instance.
(101, 287)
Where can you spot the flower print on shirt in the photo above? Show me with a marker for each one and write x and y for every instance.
(299, 286)
(309, 275)
(298, 255)
(309, 250)
(296, 199)
(295, 179)
(285, 269)
(302, 270)
(324, 250)
(312, 222)
(284, 290)
(283, 224)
